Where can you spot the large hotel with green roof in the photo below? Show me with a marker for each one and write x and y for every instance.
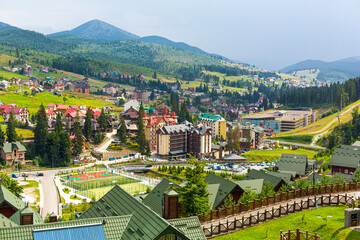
(216, 122)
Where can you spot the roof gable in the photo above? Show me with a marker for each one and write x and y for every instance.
(273, 181)
(10, 198)
(118, 202)
(224, 189)
(255, 185)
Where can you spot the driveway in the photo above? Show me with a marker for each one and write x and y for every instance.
(112, 137)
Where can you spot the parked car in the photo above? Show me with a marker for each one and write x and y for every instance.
(148, 166)
(14, 175)
(111, 159)
(39, 174)
(25, 175)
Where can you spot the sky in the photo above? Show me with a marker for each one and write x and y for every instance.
(270, 34)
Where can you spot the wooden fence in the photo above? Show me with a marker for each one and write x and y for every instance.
(273, 213)
(297, 235)
(223, 212)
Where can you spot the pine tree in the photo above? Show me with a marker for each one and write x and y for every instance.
(102, 120)
(2, 137)
(194, 196)
(67, 128)
(122, 131)
(58, 124)
(77, 144)
(10, 129)
(88, 125)
(65, 149)
(141, 140)
(41, 132)
(148, 150)
(53, 148)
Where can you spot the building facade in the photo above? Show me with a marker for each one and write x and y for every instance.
(176, 141)
(216, 122)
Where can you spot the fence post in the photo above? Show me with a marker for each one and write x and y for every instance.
(243, 222)
(289, 234)
(267, 200)
(322, 200)
(301, 205)
(287, 208)
(350, 186)
(279, 210)
(219, 227)
(247, 205)
(345, 198)
(298, 234)
(235, 223)
(307, 235)
(300, 192)
(258, 217)
(281, 235)
(280, 196)
(272, 213)
(294, 193)
(227, 225)
(316, 236)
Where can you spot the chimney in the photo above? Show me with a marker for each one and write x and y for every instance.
(27, 216)
(52, 217)
(171, 204)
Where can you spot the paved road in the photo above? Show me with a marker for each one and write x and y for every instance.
(48, 194)
(297, 144)
(112, 137)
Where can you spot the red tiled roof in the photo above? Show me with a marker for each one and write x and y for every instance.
(49, 111)
(60, 106)
(97, 113)
(15, 110)
(51, 105)
(69, 111)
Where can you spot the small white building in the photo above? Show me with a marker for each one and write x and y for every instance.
(4, 84)
(131, 103)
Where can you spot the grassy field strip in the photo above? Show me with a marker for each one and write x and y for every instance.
(328, 222)
(271, 155)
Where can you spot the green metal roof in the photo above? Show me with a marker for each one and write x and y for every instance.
(255, 185)
(209, 117)
(10, 198)
(213, 190)
(9, 147)
(113, 228)
(191, 227)
(26, 211)
(5, 222)
(224, 189)
(293, 163)
(144, 223)
(345, 158)
(154, 198)
(273, 181)
(287, 176)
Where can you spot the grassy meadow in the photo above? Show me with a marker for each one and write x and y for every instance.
(271, 155)
(328, 222)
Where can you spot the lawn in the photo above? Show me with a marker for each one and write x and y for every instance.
(31, 184)
(25, 133)
(33, 102)
(271, 155)
(328, 222)
(10, 75)
(303, 138)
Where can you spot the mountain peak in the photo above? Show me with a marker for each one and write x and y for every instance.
(99, 30)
